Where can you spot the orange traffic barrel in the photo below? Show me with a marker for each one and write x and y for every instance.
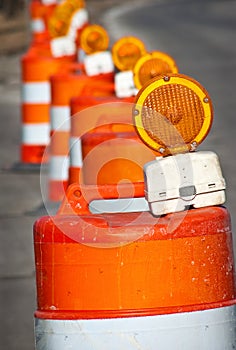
(39, 12)
(109, 150)
(37, 66)
(113, 155)
(63, 88)
(103, 124)
(129, 280)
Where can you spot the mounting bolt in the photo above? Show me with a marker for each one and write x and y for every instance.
(193, 145)
(161, 150)
(166, 78)
(206, 99)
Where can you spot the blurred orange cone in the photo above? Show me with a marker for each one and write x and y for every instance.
(36, 98)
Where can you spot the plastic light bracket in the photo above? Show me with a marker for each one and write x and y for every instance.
(78, 197)
(124, 84)
(98, 63)
(63, 46)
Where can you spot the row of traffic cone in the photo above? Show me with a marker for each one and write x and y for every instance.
(150, 274)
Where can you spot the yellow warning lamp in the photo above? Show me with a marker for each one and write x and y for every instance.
(127, 51)
(94, 38)
(59, 22)
(151, 65)
(172, 114)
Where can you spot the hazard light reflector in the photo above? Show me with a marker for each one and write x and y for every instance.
(59, 22)
(173, 114)
(94, 38)
(127, 51)
(152, 65)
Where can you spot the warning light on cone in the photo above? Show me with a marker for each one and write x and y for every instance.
(59, 22)
(94, 38)
(173, 114)
(127, 51)
(152, 65)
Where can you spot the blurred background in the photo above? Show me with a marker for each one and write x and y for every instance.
(13, 26)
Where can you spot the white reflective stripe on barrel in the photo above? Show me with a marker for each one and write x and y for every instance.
(37, 25)
(200, 330)
(76, 159)
(58, 168)
(36, 134)
(36, 92)
(60, 118)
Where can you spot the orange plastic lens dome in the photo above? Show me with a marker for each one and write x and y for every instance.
(94, 38)
(173, 114)
(152, 65)
(59, 22)
(126, 52)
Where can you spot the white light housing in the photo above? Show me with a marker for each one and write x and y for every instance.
(174, 183)
(124, 84)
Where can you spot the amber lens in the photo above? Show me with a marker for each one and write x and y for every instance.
(151, 66)
(94, 38)
(181, 107)
(59, 22)
(174, 115)
(126, 52)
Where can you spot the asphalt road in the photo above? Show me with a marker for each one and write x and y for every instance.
(201, 36)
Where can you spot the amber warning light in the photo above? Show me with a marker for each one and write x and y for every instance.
(151, 65)
(126, 52)
(60, 20)
(94, 38)
(173, 114)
